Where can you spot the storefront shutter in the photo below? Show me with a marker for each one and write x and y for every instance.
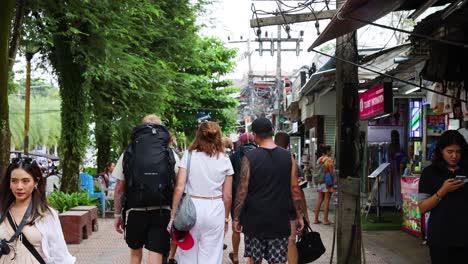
(330, 131)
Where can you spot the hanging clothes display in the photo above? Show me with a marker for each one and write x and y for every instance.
(446, 104)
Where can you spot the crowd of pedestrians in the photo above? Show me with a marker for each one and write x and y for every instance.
(224, 183)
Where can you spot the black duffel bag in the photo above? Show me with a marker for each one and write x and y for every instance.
(310, 246)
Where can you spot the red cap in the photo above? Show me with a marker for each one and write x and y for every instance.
(183, 239)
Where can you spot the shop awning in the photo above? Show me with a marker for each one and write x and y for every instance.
(382, 61)
(367, 10)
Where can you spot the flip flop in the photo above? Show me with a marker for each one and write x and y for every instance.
(328, 223)
(231, 257)
(317, 222)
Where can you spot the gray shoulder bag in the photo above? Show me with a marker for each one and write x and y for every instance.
(186, 215)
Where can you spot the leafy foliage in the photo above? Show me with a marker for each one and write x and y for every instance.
(44, 124)
(118, 61)
(64, 201)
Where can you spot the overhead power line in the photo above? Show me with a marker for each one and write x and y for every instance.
(388, 75)
(449, 42)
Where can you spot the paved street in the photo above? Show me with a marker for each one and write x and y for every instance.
(395, 247)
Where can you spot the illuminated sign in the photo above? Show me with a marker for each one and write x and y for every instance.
(376, 102)
(415, 118)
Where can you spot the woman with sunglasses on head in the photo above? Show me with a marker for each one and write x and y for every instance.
(23, 204)
(443, 192)
(205, 173)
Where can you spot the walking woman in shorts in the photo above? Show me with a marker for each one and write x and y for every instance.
(209, 184)
(22, 192)
(324, 191)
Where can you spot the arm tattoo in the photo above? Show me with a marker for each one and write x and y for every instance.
(243, 188)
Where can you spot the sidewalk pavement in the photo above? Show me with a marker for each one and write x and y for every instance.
(393, 247)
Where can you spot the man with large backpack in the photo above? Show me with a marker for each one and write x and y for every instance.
(143, 193)
(246, 143)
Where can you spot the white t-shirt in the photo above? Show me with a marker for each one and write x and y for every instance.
(207, 173)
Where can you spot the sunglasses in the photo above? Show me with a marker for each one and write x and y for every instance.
(25, 160)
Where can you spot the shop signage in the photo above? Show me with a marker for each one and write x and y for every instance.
(415, 119)
(376, 102)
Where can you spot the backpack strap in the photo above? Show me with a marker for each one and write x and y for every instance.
(25, 241)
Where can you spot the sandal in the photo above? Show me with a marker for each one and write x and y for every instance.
(231, 257)
(317, 222)
(328, 223)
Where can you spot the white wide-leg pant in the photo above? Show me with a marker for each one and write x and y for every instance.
(208, 234)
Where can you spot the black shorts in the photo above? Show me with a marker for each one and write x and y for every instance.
(148, 229)
(272, 250)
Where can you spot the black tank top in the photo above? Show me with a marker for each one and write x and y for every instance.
(265, 213)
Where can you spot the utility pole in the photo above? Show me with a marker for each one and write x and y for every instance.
(279, 83)
(278, 91)
(250, 82)
(348, 160)
(291, 18)
(27, 98)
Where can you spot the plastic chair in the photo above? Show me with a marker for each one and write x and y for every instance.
(108, 193)
(87, 184)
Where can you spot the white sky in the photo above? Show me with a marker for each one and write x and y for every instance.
(232, 18)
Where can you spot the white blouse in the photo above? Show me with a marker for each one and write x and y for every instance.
(207, 173)
(53, 243)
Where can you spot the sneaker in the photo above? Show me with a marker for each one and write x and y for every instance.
(171, 261)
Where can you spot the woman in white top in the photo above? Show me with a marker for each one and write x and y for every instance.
(22, 189)
(210, 187)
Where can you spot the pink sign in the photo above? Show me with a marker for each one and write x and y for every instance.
(372, 102)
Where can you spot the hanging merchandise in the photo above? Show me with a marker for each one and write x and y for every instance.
(411, 215)
(446, 104)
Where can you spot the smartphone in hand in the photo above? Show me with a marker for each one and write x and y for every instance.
(461, 178)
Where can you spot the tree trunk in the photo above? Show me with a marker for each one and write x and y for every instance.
(103, 144)
(103, 124)
(16, 34)
(6, 12)
(74, 114)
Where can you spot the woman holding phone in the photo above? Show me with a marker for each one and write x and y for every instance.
(442, 191)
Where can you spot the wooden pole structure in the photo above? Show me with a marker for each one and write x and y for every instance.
(348, 218)
(27, 100)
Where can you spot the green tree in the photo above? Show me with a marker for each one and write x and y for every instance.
(201, 88)
(62, 28)
(6, 13)
(45, 124)
(118, 61)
